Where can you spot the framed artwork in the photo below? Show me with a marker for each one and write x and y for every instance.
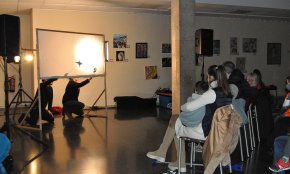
(151, 72)
(241, 64)
(141, 50)
(233, 46)
(249, 45)
(166, 48)
(274, 53)
(166, 62)
(120, 56)
(120, 41)
(216, 46)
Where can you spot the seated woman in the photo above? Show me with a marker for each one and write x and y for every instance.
(218, 95)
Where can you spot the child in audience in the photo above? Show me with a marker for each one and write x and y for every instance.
(187, 118)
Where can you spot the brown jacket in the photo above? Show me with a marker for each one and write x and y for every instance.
(222, 139)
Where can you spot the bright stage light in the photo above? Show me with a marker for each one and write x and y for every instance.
(28, 57)
(17, 59)
(88, 54)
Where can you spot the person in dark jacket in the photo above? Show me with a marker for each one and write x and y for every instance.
(46, 94)
(70, 101)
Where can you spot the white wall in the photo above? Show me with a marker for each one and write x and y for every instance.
(123, 78)
(127, 78)
(264, 31)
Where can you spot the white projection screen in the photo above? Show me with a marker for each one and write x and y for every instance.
(63, 54)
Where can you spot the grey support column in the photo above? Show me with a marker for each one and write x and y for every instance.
(182, 40)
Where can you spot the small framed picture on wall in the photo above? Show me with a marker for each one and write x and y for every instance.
(274, 53)
(120, 55)
(249, 45)
(141, 50)
(234, 46)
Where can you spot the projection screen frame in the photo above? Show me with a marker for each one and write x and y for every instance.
(69, 32)
(80, 76)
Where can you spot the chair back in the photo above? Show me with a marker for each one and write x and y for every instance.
(222, 139)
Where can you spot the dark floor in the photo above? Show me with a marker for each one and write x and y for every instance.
(114, 145)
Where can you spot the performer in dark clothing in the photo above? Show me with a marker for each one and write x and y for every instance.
(46, 93)
(70, 101)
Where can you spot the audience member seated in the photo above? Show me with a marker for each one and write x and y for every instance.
(263, 101)
(236, 77)
(282, 123)
(190, 119)
(218, 95)
(281, 155)
(260, 83)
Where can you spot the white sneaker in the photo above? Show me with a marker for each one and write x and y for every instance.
(198, 148)
(156, 156)
(174, 166)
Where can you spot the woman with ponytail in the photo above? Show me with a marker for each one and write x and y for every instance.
(218, 95)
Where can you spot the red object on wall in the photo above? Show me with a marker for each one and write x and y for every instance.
(11, 84)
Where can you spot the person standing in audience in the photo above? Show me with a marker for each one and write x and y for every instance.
(71, 104)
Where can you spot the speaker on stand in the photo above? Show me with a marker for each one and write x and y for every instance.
(9, 48)
(203, 45)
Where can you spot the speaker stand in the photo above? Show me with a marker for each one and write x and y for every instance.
(18, 98)
(202, 69)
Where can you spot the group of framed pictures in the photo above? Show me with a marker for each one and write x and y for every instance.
(249, 45)
(120, 41)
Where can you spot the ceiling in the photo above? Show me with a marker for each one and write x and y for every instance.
(273, 10)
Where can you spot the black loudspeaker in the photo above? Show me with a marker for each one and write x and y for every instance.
(9, 36)
(204, 42)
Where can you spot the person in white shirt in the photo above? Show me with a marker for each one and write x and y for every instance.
(219, 91)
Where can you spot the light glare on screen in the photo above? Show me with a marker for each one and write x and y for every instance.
(88, 54)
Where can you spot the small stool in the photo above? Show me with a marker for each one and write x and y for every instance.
(193, 142)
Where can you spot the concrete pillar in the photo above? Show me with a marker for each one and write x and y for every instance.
(183, 51)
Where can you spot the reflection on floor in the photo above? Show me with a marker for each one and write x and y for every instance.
(114, 145)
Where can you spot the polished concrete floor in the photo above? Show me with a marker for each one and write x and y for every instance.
(116, 144)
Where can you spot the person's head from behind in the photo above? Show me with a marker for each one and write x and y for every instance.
(73, 79)
(287, 84)
(201, 87)
(217, 73)
(236, 77)
(45, 80)
(258, 74)
(229, 67)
